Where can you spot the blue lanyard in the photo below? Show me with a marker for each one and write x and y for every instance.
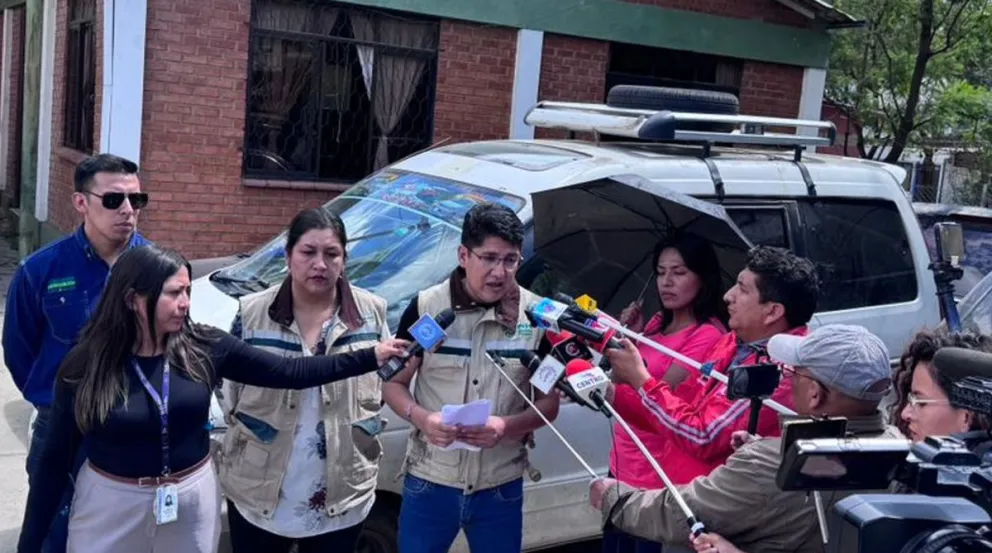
(162, 403)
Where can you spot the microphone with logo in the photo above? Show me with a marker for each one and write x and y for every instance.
(591, 383)
(427, 333)
(546, 376)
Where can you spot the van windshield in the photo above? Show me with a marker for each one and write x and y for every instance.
(403, 234)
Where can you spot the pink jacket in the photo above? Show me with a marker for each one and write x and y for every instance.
(695, 433)
(695, 342)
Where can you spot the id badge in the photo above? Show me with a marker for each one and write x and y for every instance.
(166, 504)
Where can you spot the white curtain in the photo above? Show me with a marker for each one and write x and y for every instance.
(394, 76)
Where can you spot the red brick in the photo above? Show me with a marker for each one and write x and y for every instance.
(572, 70)
(474, 83)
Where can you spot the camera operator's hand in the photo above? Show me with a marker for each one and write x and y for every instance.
(741, 437)
(712, 543)
(597, 489)
(628, 366)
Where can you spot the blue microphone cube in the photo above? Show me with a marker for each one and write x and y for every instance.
(427, 332)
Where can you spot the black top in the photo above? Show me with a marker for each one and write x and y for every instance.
(129, 444)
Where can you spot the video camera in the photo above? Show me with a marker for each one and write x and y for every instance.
(950, 475)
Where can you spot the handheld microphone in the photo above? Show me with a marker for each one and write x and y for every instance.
(555, 316)
(547, 374)
(565, 347)
(427, 331)
(589, 382)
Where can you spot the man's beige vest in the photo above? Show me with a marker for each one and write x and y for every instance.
(262, 421)
(459, 372)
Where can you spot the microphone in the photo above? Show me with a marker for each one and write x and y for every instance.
(589, 382)
(550, 314)
(961, 363)
(565, 347)
(427, 332)
(547, 374)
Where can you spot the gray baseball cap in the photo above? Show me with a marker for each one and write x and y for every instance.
(846, 358)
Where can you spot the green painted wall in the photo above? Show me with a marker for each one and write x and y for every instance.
(617, 21)
(28, 225)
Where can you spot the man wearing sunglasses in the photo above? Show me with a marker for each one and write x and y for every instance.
(56, 289)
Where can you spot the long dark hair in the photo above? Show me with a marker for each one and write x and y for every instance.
(922, 350)
(98, 364)
(699, 257)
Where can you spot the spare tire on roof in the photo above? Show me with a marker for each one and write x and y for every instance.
(659, 98)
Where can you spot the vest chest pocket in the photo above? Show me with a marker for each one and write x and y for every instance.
(66, 313)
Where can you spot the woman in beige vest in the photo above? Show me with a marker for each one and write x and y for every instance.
(301, 466)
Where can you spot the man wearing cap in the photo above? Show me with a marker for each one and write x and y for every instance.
(836, 371)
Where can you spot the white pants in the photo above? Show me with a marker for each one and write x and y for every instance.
(108, 516)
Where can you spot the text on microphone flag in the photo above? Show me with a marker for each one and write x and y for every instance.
(547, 374)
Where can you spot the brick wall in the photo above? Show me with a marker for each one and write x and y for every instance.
(15, 113)
(771, 89)
(193, 134)
(61, 214)
(475, 82)
(769, 11)
(572, 70)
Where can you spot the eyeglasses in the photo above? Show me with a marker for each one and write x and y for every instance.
(915, 402)
(113, 200)
(510, 263)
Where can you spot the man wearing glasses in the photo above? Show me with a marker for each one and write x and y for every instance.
(479, 489)
(836, 371)
(56, 289)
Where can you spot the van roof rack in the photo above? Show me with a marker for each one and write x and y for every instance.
(668, 126)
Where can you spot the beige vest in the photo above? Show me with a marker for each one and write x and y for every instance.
(262, 421)
(459, 372)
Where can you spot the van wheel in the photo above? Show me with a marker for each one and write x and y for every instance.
(659, 98)
(381, 529)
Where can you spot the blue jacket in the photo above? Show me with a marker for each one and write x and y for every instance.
(51, 297)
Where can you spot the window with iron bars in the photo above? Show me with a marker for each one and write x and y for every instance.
(336, 92)
(80, 76)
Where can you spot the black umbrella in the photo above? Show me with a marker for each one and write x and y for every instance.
(600, 235)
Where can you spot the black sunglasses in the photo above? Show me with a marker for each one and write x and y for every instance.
(113, 200)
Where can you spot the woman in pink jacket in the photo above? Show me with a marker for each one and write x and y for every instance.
(691, 320)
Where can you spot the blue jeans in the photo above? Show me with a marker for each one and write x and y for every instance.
(58, 534)
(432, 514)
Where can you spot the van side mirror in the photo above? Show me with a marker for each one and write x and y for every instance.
(950, 243)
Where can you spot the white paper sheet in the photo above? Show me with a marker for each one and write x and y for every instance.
(475, 413)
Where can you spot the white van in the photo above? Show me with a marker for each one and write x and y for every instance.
(850, 216)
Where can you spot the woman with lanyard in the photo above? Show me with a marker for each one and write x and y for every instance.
(137, 386)
(305, 493)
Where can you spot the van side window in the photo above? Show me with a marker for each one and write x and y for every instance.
(861, 250)
(763, 226)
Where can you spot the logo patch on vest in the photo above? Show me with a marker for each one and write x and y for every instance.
(523, 330)
(61, 284)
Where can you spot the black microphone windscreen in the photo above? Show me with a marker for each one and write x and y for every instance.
(530, 360)
(562, 297)
(445, 318)
(960, 363)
